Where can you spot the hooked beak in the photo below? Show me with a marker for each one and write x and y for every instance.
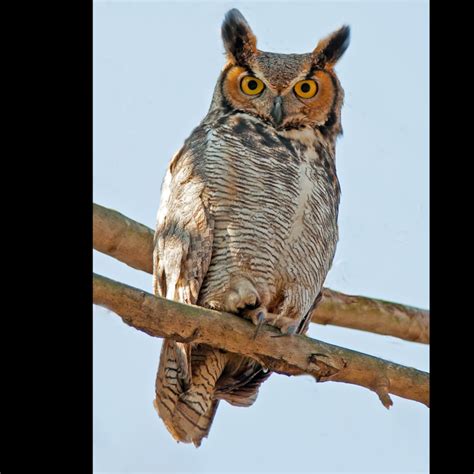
(277, 113)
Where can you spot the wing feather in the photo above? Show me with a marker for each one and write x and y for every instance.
(183, 241)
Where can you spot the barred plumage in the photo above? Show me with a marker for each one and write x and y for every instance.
(248, 216)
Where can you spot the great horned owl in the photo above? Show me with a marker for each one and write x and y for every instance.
(248, 216)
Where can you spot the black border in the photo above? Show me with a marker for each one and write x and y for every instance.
(50, 338)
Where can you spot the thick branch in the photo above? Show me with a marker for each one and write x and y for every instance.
(132, 243)
(290, 355)
(370, 314)
(122, 238)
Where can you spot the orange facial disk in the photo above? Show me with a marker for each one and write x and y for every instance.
(232, 89)
(319, 106)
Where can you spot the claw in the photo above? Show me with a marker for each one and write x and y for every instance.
(291, 330)
(260, 319)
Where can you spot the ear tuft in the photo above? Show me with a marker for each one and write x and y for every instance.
(330, 49)
(239, 40)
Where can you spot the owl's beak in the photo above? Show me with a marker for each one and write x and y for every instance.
(277, 112)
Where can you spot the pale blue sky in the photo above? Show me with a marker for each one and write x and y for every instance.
(155, 66)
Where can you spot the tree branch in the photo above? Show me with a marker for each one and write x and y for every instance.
(373, 315)
(132, 243)
(289, 355)
(122, 238)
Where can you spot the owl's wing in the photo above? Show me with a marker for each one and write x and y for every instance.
(183, 242)
(184, 231)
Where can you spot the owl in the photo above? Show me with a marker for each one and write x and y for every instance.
(247, 222)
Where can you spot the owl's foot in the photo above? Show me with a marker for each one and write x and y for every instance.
(241, 295)
(287, 326)
(261, 320)
(259, 316)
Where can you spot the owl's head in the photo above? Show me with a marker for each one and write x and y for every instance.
(286, 90)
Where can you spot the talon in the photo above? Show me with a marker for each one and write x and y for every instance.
(260, 320)
(257, 330)
(291, 330)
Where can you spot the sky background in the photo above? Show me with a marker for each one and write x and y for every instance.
(155, 67)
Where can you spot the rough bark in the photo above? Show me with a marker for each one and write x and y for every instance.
(132, 243)
(289, 355)
(373, 315)
(122, 238)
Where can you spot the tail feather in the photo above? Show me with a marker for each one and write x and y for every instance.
(187, 407)
(242, 392)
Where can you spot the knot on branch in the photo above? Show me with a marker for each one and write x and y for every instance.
(381, 388)
(325, 368)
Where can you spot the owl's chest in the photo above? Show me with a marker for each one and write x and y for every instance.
(272, 205)
(252, 170)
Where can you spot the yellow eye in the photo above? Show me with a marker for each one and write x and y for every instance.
(306, 89)
(251, 85)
